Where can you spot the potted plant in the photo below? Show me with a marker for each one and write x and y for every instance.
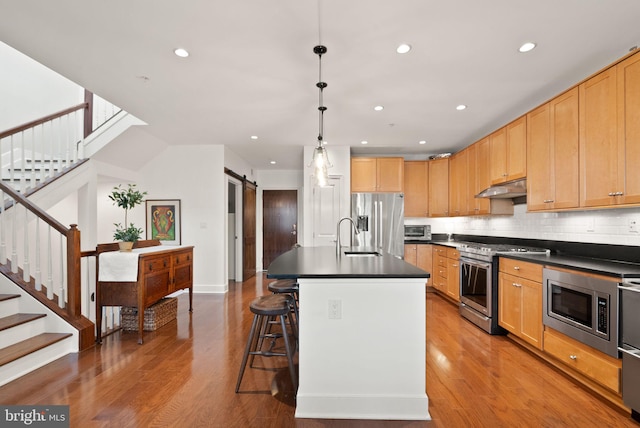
(126, 199)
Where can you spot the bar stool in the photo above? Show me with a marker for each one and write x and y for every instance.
(264, 308)
(290, 287)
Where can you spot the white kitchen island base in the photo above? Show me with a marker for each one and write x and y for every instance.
(362, 349)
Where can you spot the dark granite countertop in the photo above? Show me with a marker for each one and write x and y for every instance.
(584, 264)
(563, 256)
(322, 262)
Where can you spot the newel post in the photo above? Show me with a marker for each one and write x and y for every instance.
(74, 303)
(88, 113)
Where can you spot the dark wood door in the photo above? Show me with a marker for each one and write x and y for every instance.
(248, 230)
(280, 223)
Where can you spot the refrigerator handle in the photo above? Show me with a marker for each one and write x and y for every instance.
(380, 231)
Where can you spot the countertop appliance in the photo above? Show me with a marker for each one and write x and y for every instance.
(417, 232)
(629, 344)
(582, 307)
(479, 282)
(380, 220)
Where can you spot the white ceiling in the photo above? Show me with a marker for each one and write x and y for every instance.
(252, 70)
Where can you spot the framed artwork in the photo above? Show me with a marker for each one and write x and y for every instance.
(163, 220)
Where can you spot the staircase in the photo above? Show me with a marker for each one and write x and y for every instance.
(27, 339)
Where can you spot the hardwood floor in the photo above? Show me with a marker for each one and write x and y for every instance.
(185, 373)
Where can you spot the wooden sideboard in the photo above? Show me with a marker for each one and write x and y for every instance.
(160, 273)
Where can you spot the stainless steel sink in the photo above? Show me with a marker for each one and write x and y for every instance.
(362, 254)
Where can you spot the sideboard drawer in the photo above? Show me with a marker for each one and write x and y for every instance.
(156, 264)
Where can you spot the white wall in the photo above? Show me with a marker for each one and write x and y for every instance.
(40, 91)
(597, 226)
(195, 175)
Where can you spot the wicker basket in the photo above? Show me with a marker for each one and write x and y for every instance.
(155, 316)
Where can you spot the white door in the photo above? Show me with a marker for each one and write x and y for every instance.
(326, 212)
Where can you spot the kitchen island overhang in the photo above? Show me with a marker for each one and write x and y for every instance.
(362, 337)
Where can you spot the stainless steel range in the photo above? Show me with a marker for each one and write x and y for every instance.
(479, 282)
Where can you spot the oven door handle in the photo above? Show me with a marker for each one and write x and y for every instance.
(625, 288)
(634, 353)
(475, 263)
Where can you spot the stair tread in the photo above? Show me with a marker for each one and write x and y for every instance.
(4, 297)
(17, 319)
(26, 347)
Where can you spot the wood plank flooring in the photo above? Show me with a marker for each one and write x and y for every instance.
(185, 373)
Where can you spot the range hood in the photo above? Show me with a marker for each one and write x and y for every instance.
(514, 189)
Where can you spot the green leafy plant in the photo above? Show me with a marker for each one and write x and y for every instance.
(126, 199)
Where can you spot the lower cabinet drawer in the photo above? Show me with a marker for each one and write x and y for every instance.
(592, 363)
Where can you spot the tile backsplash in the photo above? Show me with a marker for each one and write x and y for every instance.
(612, 226)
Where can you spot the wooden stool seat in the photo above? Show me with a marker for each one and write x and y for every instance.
(283, 286)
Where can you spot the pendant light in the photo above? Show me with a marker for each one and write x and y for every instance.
(320, 161)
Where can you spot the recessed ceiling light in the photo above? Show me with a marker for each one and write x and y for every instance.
(378, 108)
(272, 162)
(182, 53)
(422, 142)
(254, 137)
(527, 47)
(364, 142)
(403, 48)
(461, 107)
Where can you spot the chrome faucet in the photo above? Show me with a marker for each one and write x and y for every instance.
(355, 229)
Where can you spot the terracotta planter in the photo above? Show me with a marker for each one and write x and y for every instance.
(125, 245)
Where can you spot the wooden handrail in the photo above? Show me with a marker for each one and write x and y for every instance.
(62, 229)
(42, 120)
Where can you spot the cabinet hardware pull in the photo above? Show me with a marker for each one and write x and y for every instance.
(150, 266)
(548, 201)
(619, 193)
(611, 194)
(573, 357)
(516, 268)
(515, 284)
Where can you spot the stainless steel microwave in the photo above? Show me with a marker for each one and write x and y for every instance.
(421, 232)
(582, 307)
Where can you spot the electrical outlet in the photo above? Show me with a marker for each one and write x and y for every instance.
(591, 224)
(335, 309)
(634, 226)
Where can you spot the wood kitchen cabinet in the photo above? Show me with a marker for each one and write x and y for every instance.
(416, 196)
(508, 152)
(420, 255)
(453, 274)
(610, 136)
(458, 184)
(595, 365)
(377, 174)
(478, 178)
(552, 154)
(446, 275)
(520, 299)
(439, 187)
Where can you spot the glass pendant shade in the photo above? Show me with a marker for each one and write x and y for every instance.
(320, 164)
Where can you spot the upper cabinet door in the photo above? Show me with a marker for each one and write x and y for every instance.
(439, 187)
(598, 140)
(416, 197)
(390, 174)
(564, 150)
(628, 76)
(517, 149)
(552, 154)
(498, 156)
(377, 174)
(363, 175)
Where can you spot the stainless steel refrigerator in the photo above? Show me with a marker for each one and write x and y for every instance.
(380, 220)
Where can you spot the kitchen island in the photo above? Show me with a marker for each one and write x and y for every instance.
(362, 344)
